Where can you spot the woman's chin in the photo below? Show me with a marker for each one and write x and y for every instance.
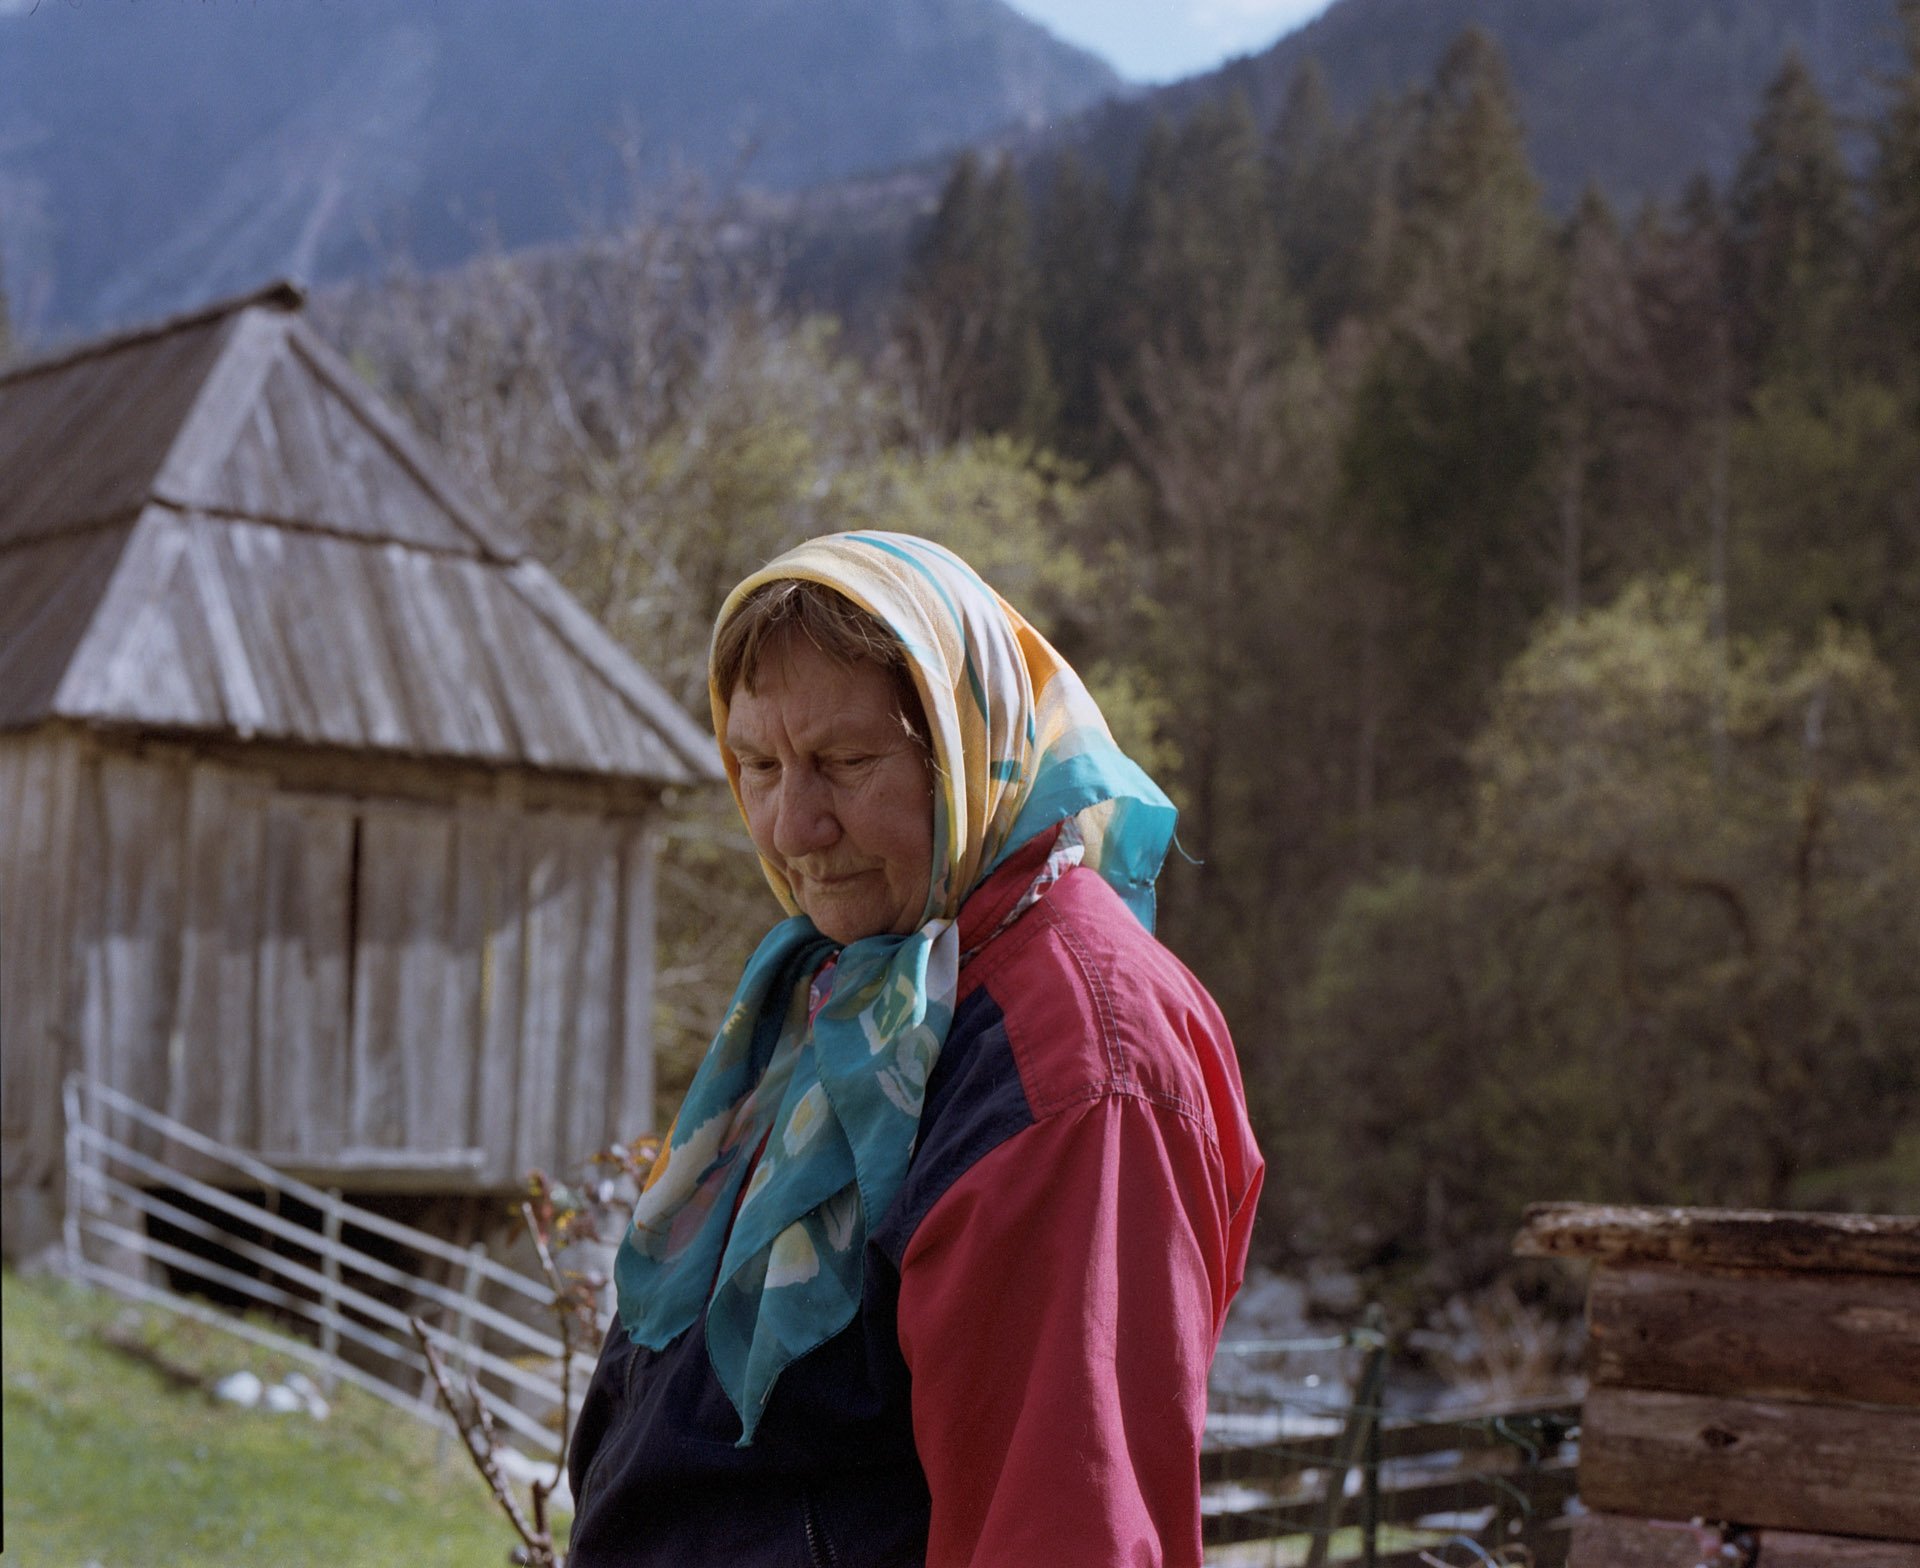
(846, 919)
(845, 929)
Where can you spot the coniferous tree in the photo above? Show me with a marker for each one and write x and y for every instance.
(1668, 445)
(1199, 266)
(1795, 235)
(970, 318)
(1475, 233)
(1894, 257)
(1600, 368)
(1449, 428)
(1825, 456)
(1319, 198)
(1074, 268)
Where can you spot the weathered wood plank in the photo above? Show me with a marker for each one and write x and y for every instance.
(1830, 1469)
(630, 1053)
(250, 344)
(305, 460)
(130, 663)
(291, 578)
(301, 974)
(82, 438)
(253, 482)
(343, 573)
(1823, 1337)
(52, 590)
(447, 1120)
(39, 797)
(548, 715)
(241, 700)
(588, 1085)
(531, 656)
(135, 925)
(1602, 1540)
(441, 647)
(1791, 1549)
(327, 771)
(685, 741)
(212, 1057)
(1723, 1238)
(502, 988)
(444, 501)
(551, 968)
(401, 964)
(263, 591)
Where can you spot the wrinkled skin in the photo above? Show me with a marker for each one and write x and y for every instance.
(836, 788)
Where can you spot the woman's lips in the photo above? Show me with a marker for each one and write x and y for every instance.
(833, 879)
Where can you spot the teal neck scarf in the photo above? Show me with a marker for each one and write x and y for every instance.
(799, 1124)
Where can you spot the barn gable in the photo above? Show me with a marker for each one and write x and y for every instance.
(224, 531)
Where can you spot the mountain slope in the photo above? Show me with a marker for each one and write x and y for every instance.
(153, 154)
(1636, 96)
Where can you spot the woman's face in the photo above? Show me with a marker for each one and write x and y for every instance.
(837, 791)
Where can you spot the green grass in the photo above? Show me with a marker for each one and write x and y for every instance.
(109, 1462)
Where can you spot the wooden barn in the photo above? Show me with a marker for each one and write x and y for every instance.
(327, 819)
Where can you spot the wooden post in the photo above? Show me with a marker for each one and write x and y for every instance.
(1363, 1417)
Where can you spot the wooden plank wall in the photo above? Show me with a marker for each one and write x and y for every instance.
(39, 796)
(1776, 1398)
(1620, 1541)
(300, 972)
(319, 978)
(1757, 1370)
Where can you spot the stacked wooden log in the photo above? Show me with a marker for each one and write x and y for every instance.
(1755, 1386)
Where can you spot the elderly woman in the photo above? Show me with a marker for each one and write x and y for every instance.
(934, 1262)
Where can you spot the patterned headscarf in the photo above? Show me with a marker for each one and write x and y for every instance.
(812, 1104)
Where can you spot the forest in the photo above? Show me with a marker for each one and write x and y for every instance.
(1523, 607)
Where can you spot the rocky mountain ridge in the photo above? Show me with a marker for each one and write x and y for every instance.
(155, 153)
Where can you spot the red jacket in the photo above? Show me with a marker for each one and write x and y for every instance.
(1025, 1383)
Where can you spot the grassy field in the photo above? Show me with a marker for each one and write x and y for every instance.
(112, 1462)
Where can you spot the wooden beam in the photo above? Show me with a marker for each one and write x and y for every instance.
(1836, 1469)
(1723, 1238)
(1615, 1541)
(1791, 1549)
(1821, 1337)
(1602, 1540)
(329, 771)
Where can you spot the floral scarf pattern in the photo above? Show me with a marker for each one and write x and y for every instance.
(796, 1132)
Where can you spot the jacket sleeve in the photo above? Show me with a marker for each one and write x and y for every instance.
(1059, 1306)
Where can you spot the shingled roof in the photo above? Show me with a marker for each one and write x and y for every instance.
(212, 525)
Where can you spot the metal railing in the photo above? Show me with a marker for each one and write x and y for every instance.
(312, 1293)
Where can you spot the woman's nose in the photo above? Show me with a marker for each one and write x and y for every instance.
(804, 824)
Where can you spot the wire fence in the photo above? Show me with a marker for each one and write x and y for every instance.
(1306, 1464)
(315, 1277)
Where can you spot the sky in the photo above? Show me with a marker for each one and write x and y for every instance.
(1159, 40)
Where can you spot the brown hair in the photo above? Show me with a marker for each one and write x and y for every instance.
(831, 621)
